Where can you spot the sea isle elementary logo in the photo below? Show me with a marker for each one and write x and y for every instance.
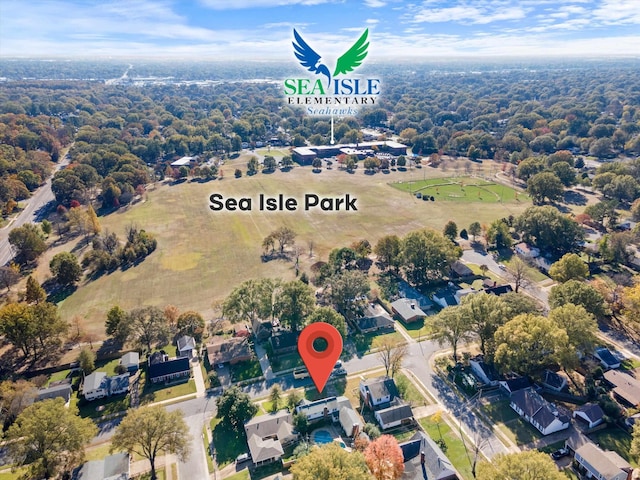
(327, 93)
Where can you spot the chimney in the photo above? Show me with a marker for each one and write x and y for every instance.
(422, 457)
(495, 283)
(413, 306)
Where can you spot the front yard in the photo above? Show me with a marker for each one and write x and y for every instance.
(454, 449)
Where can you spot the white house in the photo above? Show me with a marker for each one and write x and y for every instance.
(487, 374)
(350, 421)
(186, 346)
(268, 434)
(183, 162)
(325, 407)
(527, 251)
(538, 412)
(601, 464)
(378, 393)
(394, 416)
(590, 413)
(95, 385)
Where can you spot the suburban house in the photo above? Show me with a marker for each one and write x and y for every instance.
(408, 310)
(460, 270)
(186, 346)
(394, 416)
(324, 408)
(486, 373)
(99, 385)
(607, 359)
(626, 389)
(284, 342)
(268, 434)
(590, 413)
(423, 458)
(445, 297)
(538, 412)
(222, 350)
(183, 162)
(240, 330)
(527, 251)
(261, 329)
(375, 319)
(407, 291)
(593, 462)
(378, 393)
(163, 369)
(514, 383)
(112, 467)
(58, 390)
(350, 421)
(463, 292)
(498, 290)
(553, 381)
(130, 361)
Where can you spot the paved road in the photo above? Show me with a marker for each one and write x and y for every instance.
(35, 206)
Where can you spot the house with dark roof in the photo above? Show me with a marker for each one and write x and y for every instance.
(378, 393)
(221, 350)
(394, 416)
(626, 389)
(538, 412)
(423, 458)
(553, 381)
(445, 297)
(186, 346)
(498, 290)
(61, 390)
(130, 361)
(594, 462)
(262, 329)
(119, 384)
(375, 319)
(589, 413)
(460, 270)
(513, 383)
(112, 467)
(284, 342)
(163, 369)
(408, 310)
(267, 435)
(607, 359)
(485, 372)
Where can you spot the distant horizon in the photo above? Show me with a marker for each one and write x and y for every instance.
(261, 30)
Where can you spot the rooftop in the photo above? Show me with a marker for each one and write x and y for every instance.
(223, 350)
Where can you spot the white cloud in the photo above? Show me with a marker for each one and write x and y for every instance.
(615, 12)
(374, 3)
(242, 4)
(371, 21)
(469, 14)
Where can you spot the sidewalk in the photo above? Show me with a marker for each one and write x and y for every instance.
(261, 353)
(201, 388)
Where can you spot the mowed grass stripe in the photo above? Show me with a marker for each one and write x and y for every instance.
(202, 255)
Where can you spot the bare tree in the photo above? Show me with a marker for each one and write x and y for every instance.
(310, 244)
(391, 354)
(519, 273)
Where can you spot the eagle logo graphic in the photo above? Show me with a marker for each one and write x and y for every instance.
(349, 60)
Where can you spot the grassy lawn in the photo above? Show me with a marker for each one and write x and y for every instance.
(499, 412)
(228, 443)
(158, 393)
(105, 406)
(161, 474)
(9, 475)
(273, 151)
(534, 274)
(191, 271)
(245, 370)
(97, 453)
(285, 361)
(371, 341)
(205, 441)
(418, 330)
(59, 376)
(617, 440)
(519, 431)
(631, 363)
(455, 448)
(463, 189)
(409, 391)
(241, 475)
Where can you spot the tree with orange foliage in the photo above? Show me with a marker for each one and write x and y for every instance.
(384, 458)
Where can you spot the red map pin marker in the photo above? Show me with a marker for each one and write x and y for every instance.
(320, 364)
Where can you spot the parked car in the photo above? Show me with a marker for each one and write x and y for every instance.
(243, 457)
(558, 454)
(339, 372)
(502, 266)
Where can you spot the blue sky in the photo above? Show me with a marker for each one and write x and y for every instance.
(262, 29)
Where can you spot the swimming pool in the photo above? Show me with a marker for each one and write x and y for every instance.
(322, 437)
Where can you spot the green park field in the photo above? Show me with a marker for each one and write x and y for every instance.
(202, 255)
(463, 189)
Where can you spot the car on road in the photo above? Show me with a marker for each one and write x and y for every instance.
(558, 454)
(339, 372)
(502, 266)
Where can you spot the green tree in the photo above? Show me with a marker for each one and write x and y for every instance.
(190, 323)
(565, 173)
(269, 163)
(347, 292)
(527, 465)
(330, 316)
(450, 230)
(604, 210)
(569, 267)
(527, 343)
(65, 267)
(249, 301)
(50, 327)
(388, 250)
(578, 323)
(635, 442)
(92, 221)
(295, 301)
(498, 234)
(35, 293)
(50, 438)
(475, 229)
(519, 273)
(616, 248)
(235, 407)
(275, 396)
(331, 461)
(543, 186)
(148, 327)
(151, 431)
(87, 360)
(118, 324)
(451, 326)
(486, 313)
(371, 430)
(28, 242)
(18, 327)
(344, 258)
(549, 230)
(9, 276)
(252, 166)
(46, 227)
(15, 396)
(578, 293)
(293, 399)
(519, 303)
(427, 256)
